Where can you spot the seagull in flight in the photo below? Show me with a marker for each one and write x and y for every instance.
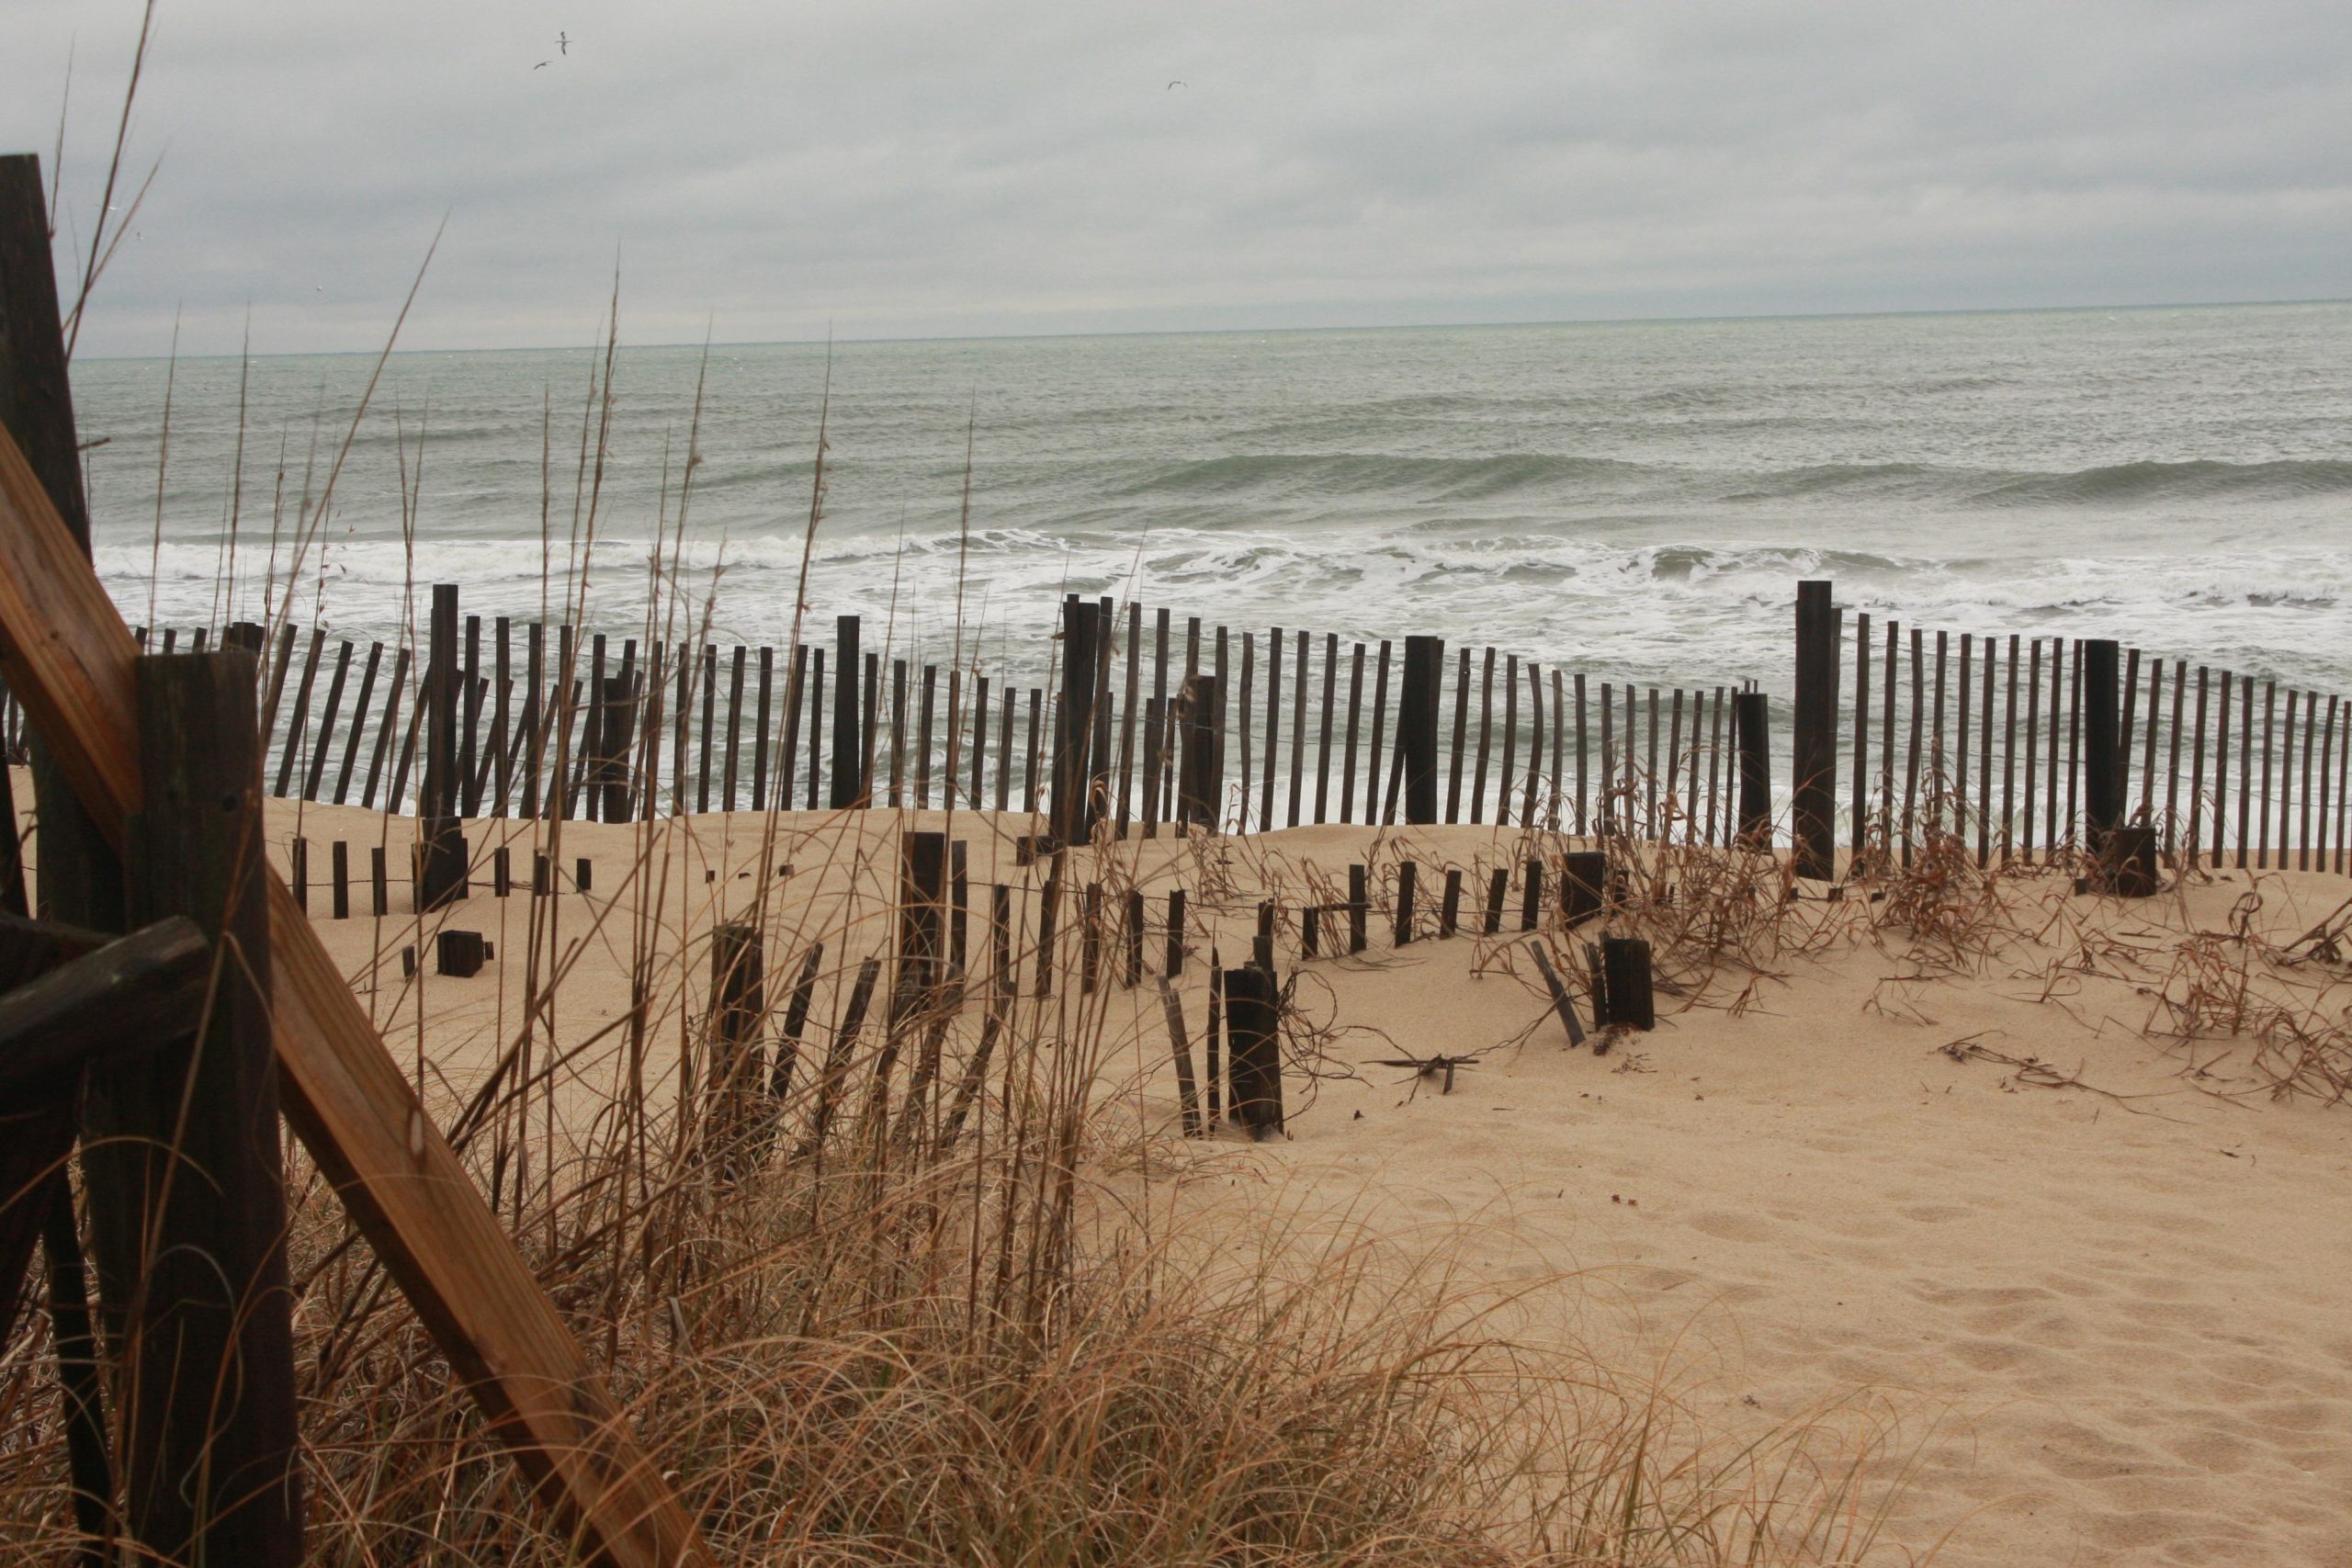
(543, 64)
(1174, 85)
(563, 43)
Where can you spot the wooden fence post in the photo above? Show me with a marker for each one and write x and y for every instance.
(1198, 774)
(81, 877)
(299, 724)
(358, 719)
(188, 1194)
(1861, 738)
(1416, 725)
(326, 747)
(1253, 1028)
(1584, 885)
(1273, 728)
(709, 726)
(738, 1003)
(898, 791)
(923, 899)
(1187, 1091)
(441, 848)
(1814, 733)
(1303, 659)
(1097, 780)
(849, 735)
(1751, 713)
(1626, 989)
(2102, 744)
(1071, 817)
(616, 734)
(1323, 754)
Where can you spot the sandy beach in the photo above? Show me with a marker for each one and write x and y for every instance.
(1830, 539)
(2079, 1278)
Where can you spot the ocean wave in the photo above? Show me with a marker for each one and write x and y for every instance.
(1401, 481)
(1833, 478)
(2204, 479)
(1392, 478)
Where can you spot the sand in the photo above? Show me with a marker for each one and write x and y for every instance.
(2112, 1316)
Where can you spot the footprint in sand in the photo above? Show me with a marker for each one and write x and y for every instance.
(1726, 1225)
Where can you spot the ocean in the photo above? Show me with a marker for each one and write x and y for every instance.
(1633, 499)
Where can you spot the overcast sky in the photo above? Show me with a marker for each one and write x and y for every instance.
(904, 169)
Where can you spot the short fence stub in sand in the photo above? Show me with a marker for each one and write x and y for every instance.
(1622, 991)
(461, 954)
(1253, 1050)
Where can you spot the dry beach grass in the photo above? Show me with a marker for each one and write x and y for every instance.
(1029, 1343)
(1963, 1205)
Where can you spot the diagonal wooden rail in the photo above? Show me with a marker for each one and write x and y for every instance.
(68, 657)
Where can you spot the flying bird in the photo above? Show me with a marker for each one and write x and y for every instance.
(563, 43)
(543, 64)
(1174, 85)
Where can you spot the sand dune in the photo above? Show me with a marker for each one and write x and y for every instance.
(2106, 1298)
(2135, 1310)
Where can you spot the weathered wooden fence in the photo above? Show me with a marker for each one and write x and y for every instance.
(1237, 730)
(1243, 731)
(1987, 736)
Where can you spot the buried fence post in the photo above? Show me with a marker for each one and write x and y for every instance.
(1253, 1033)
(737, 1001)
(1187, 1087)
(1620, 984)
(923, 899)
(1134, 935)
(1625, 967)
(1814, 779)
(1584, 885)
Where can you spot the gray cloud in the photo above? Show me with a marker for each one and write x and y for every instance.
(904, 169)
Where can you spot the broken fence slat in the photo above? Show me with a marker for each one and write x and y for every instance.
(1560, 1002)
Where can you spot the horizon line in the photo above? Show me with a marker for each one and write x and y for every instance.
(1697, 320)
